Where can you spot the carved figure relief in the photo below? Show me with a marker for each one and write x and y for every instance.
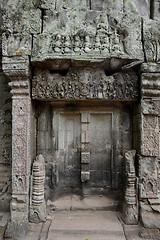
(76, 86)
(151, 41)
(103, 40)
(149, 188)
(89, 44)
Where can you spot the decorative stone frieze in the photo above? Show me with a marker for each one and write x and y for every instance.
(86, 84)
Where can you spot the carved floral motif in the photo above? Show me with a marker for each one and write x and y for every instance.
(19, 148)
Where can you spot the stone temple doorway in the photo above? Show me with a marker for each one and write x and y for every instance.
(82, 144)
(82, 133)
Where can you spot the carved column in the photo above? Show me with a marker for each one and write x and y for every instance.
(149, 149)
(130, 206)
(18, 73)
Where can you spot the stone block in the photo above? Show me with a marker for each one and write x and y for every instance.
(150, 67)
(85, 157)
(150, 85)
(151, 45)
(84, 167)
(21, 18)
(136, 141)
(85, 176)
(97, 5)
(130, 214)
(151, 220)
(16, 45)
(149, 143)
(150, 106)
(154, 201)
(85, 117)
(50, 4)
(157, 10)
(145, 207)
(126, 121)
(85, 137)
(136, 123)
(150, 233)
(150, 135)
(127, 140)
(148, 177)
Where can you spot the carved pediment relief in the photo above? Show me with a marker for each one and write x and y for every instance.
(106, 37)
(86, 30)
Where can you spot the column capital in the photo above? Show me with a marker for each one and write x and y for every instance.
(16, 67)
(150, 85)
(18, 72)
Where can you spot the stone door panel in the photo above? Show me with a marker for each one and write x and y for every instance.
(69, 147)
(68, 153)
(100, 149)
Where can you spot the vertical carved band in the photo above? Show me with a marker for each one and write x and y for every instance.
(20, 138)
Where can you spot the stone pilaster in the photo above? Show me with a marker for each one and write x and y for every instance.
(18, 72)
(149, 145)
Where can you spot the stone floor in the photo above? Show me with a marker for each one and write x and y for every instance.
(4, 218)
(78, 225)
(76, 218)
(89, 202)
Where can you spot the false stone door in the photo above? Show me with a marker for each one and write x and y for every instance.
(77, 132)
(100, 149)
(68, 150)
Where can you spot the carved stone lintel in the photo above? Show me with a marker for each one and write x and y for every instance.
(130, 206)
(88, 84)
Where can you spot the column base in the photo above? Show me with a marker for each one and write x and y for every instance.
(16, 231)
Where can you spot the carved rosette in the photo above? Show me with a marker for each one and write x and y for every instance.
(18, 72)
